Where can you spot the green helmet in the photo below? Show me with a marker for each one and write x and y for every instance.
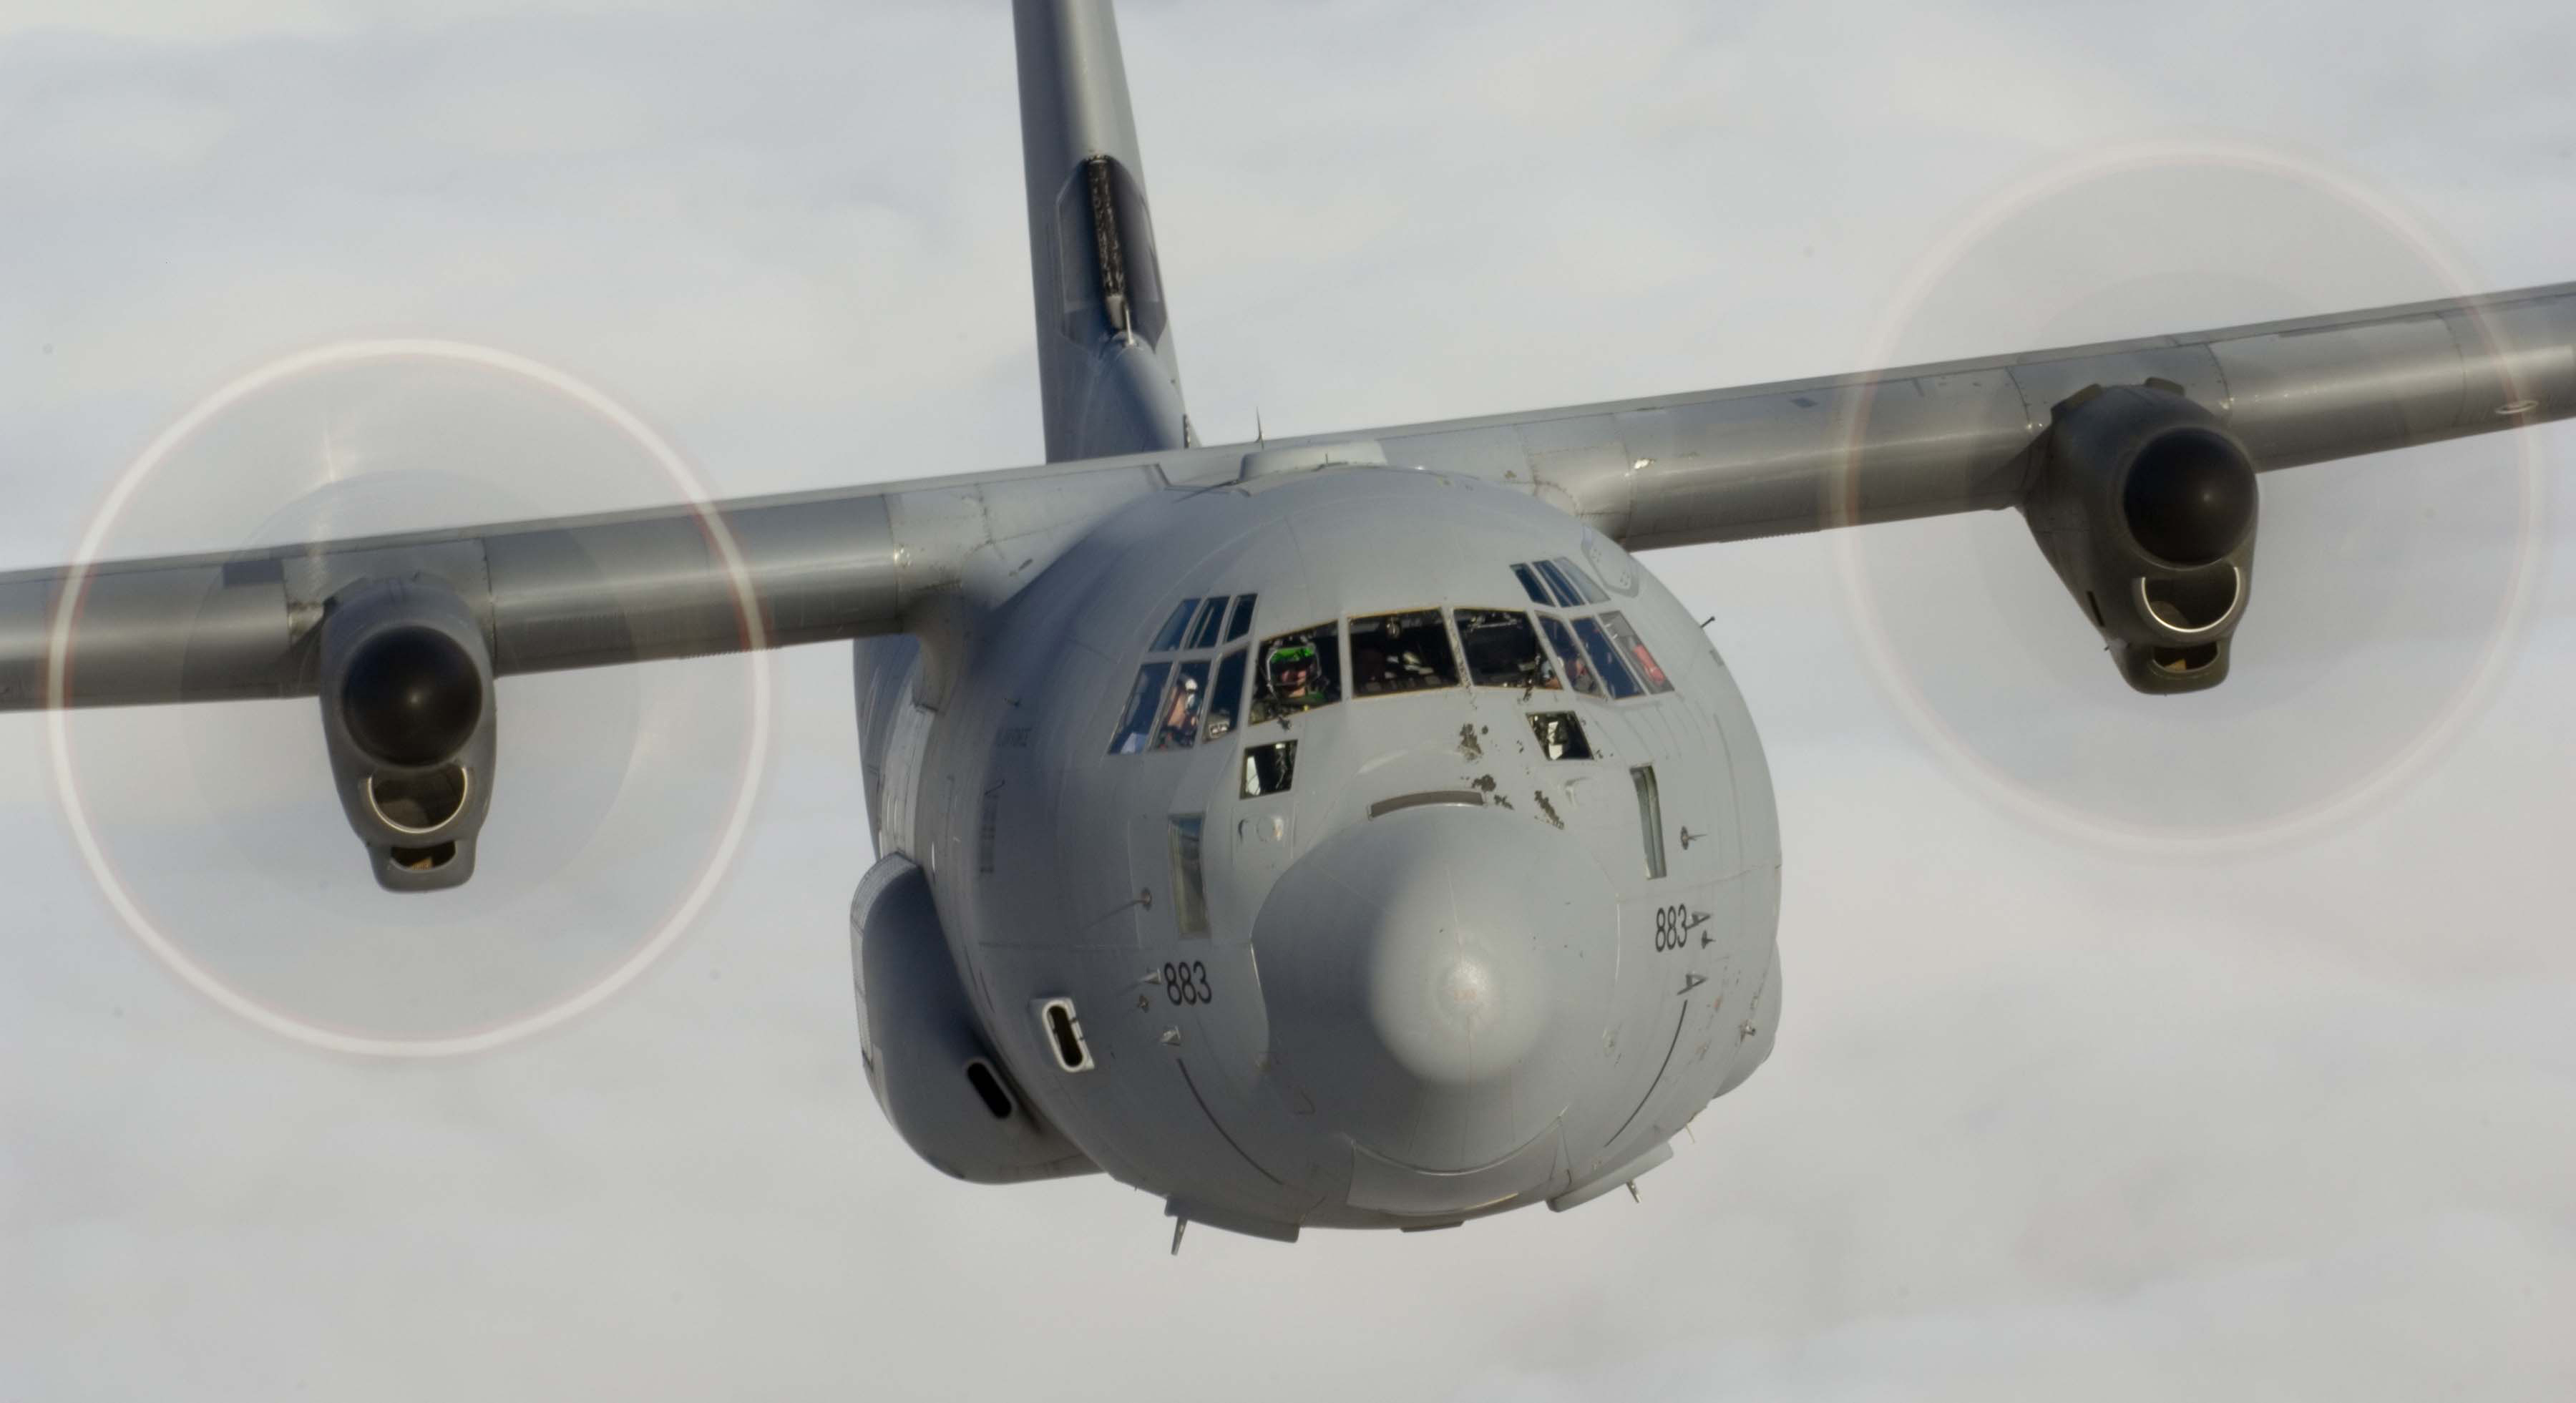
(1287, 655)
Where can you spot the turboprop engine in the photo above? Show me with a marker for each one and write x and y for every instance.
(2145, 505)
(406, 688)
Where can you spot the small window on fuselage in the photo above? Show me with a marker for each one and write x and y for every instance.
(1299, 671)
(1503, 650)
(1560, 735)
(1530, 586)
(1241, 623)
(1407, 652)
(1569, 656)
(1269, 769)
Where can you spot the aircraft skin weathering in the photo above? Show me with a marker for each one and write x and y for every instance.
(1346, 830)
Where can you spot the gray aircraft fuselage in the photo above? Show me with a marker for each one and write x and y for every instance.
(1438, 974)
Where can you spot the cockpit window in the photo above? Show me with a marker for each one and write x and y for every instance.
(1530, 586)
(1241, 623)
(1228, 698)
(1502, 649)
(1211, 618)
(1298, 671)
(1406, 652)
(1180, 728)
(1174, 627)
(1614, 672)
(1138, 717)
(1582, 582)
(1569, 655)
(1633, 649)
(1558, 585)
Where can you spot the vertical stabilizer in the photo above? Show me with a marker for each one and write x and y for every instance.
(1110, 378)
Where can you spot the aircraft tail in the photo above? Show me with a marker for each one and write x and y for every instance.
(1110, 377)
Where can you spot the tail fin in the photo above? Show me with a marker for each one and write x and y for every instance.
(1106, 367)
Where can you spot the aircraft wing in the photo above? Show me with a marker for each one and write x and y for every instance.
(1675, 470)
(1924, 440)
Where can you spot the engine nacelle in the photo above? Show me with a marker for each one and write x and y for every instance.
(933, 1071)
(2145, 505)
(406, 687)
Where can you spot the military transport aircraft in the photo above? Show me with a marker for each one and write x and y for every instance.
(1337, 831)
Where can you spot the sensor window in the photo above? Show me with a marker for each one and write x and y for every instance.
(1064, 1035)
(988, 1088)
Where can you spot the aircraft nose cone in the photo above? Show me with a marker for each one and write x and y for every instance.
(1438, 980)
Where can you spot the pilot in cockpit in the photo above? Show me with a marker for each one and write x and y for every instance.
(1295, 680)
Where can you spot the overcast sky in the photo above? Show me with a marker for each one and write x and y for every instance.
(2220, 1045)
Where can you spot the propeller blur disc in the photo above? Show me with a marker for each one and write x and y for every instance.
(619, 794)
(2386, 591)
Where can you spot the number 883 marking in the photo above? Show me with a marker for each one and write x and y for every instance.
(1187, 983)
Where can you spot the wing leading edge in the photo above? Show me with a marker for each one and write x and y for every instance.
(1677, 470)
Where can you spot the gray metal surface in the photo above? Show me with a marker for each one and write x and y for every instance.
(561, 593)
(1109, 380)
(1438, 975)
(1923, 440)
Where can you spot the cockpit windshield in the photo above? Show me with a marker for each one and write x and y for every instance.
(1502, 649)
(1299, 670)
(1407, 652)
(1569, 655)
(1181, 711)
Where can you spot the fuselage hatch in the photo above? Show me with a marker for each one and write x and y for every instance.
(1356, 846)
